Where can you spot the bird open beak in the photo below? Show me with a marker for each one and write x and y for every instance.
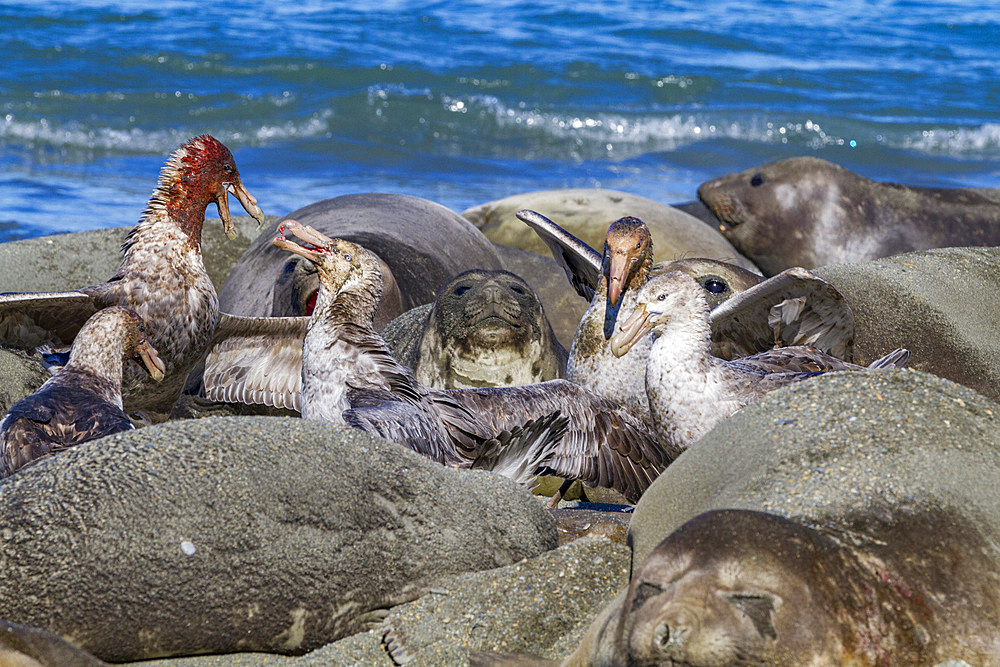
(151, 360)
(307, 234)
(248, 201)
(632, 330)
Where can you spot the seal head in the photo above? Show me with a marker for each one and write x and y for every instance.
(488, 328)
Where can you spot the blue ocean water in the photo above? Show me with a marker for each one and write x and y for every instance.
(466, 101)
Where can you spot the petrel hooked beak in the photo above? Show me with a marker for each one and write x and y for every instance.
(151, 360)
(618, 274)
(248, 201)
(631, 331)
(307, 234)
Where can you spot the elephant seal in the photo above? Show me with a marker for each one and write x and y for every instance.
(855, 522)
(484, 329)
(808, 212)
(420, 244)
(900, 466)
(747, 587)
(586, 213)
(940, 304)
(181, 506)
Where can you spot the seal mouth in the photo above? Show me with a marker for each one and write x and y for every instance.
(495, 336)
(493, 329)
(728, 210)
(495, 320)
(631, 331)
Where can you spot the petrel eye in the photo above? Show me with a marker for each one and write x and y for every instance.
(661, 297)
(757, 179)
(347, 257)
(228, 168)
(461, 289)
(715, 286)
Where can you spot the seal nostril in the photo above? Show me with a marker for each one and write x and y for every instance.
(662, 637)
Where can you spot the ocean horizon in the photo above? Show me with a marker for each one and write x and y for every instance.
(466, 102)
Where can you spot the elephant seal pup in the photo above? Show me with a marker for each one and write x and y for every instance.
(746, 587)
(808, 212)
(485, 329)
(420, 245)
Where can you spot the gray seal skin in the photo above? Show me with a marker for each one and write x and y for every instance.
(808, 212)
(485, 329)
(421, 246)
(231, 534)
(746, 587)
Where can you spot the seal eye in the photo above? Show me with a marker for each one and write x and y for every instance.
(757, 179)
(461, 289)
(715, 286)
(643, 592)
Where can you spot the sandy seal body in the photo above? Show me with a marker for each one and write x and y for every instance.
(808, 212)
(486, 328)
(586, 213)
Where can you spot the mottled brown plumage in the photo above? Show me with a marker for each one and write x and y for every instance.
(625, 266)
(161, 276)
(83, 400)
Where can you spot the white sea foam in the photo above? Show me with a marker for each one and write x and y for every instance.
(74, 136)
(962, 140)
(629, 134)
(637, 133)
